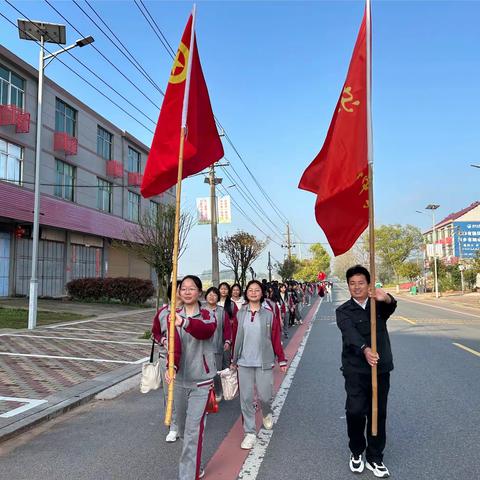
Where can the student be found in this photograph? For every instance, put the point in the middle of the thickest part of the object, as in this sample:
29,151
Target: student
284,310
353,319
160,325
222,339
195,370
257,345
230,309
237,295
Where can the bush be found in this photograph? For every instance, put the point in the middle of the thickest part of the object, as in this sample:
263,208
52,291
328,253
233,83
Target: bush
126,290
86,288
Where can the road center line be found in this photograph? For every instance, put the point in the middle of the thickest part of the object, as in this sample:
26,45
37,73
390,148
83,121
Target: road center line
405,319
255,458
470,350
441,308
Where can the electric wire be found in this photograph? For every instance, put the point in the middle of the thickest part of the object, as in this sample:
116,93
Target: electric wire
104,56
77,74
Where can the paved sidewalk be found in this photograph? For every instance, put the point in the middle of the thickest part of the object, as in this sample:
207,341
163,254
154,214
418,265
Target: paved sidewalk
53,368
468,300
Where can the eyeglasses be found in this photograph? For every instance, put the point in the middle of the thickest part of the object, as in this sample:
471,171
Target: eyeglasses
254,291
188,290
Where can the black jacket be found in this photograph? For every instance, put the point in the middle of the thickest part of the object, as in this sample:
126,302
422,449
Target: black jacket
354,322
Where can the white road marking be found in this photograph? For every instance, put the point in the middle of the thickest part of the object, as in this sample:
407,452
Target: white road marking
438,306
148,324
255,458
59,357
100,330
73,338
469,350
29,403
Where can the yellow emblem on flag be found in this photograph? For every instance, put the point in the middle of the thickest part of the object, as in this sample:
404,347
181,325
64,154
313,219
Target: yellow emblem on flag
180,75
347,98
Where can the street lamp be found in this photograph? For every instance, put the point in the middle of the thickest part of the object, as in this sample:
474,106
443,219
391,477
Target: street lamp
433,207
41,32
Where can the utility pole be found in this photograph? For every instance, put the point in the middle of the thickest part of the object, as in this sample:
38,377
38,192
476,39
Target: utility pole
433,207
213,181
289,244
269,268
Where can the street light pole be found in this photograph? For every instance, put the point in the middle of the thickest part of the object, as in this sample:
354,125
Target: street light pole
41,32
433,207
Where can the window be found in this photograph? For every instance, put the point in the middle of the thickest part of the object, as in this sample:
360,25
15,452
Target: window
134,160
65,118
64,180
12,88
153,209
104,199
11,162
104,143
133,207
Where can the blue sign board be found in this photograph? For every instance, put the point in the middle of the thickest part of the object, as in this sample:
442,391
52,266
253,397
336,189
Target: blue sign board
467,239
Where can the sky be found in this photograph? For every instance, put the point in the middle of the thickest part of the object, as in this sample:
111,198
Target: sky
274,72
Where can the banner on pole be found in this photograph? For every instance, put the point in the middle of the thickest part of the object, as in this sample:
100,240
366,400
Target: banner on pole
224,210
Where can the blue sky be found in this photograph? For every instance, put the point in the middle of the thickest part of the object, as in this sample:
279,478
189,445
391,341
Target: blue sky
274,72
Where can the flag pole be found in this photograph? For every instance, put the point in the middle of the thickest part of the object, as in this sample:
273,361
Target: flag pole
173,305
371,212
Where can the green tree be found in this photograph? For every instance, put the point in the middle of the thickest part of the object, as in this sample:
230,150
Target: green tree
410,270
394,244
288,268
320,262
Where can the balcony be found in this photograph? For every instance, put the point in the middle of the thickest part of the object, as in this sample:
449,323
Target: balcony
63,142
114,169
134,179
13,115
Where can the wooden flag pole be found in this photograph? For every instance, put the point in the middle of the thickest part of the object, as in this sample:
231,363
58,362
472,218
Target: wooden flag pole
176,242
371,223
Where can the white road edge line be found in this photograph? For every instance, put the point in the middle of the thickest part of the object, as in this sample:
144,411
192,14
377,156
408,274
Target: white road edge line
102,330
73,338
253,462
59,357
30,403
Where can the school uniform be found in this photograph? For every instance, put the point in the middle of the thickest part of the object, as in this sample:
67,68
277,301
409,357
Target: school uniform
257,345
222,336
194,358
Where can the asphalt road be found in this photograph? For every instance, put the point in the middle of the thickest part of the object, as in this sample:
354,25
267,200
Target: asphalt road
432,431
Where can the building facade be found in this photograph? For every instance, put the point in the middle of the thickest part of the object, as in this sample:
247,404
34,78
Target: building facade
90,176
457,236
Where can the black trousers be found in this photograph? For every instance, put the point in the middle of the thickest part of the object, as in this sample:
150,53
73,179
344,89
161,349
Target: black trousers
359,414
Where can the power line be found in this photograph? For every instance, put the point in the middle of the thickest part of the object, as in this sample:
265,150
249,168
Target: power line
132,60
76,73
105,58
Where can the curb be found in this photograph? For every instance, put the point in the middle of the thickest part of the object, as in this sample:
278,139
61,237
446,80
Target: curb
110,384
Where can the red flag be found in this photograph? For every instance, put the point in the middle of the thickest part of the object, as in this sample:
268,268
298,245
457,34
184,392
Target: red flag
202,143
339,173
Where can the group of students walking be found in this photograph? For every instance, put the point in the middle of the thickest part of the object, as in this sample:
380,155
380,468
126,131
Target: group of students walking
226,330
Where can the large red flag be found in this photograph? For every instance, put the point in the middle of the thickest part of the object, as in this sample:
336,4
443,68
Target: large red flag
339,173
202,143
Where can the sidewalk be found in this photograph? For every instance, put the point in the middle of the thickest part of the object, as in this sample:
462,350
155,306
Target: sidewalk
49,370
454,299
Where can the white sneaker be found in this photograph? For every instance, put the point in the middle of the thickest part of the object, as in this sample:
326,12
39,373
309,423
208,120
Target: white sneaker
356,463
268,422
248,441
172,436
201,473
218,398
378,469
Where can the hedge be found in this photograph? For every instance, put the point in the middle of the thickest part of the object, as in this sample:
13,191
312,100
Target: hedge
126,290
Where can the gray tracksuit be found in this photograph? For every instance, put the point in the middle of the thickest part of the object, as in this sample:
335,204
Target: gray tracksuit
257,344
195,366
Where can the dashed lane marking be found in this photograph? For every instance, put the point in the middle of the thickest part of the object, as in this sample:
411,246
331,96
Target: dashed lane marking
73,338
82,359
405,319
467,349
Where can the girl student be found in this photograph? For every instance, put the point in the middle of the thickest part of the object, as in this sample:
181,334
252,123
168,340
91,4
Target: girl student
230,309
195,369
284,308
222,339
237,295
257,344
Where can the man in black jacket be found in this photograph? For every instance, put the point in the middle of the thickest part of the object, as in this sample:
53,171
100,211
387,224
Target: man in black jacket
353,319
